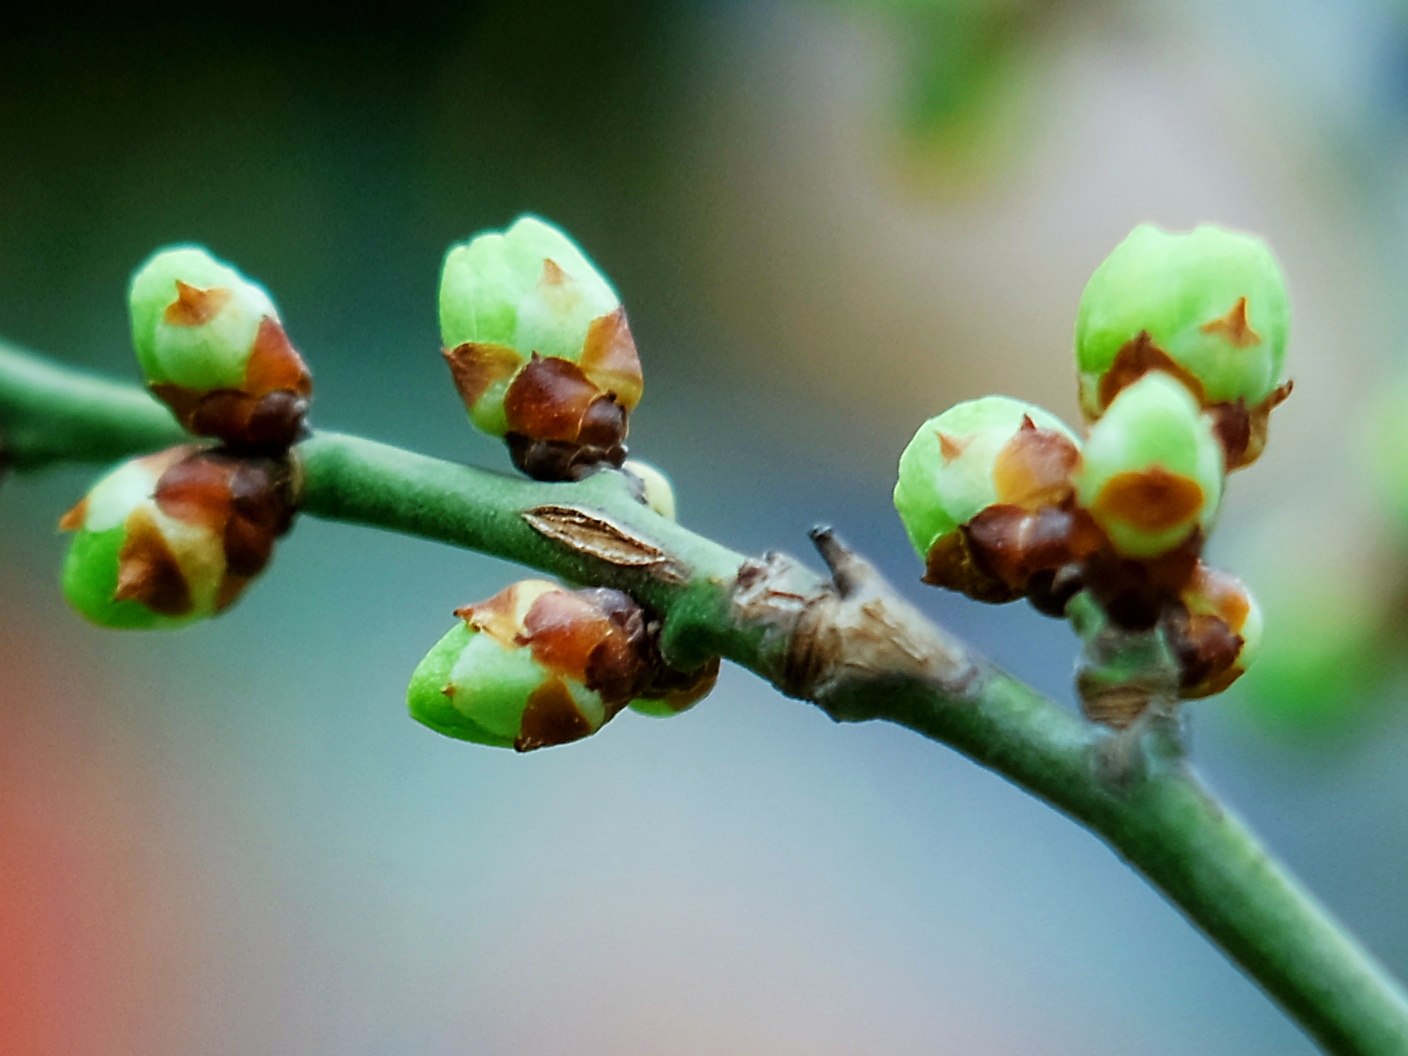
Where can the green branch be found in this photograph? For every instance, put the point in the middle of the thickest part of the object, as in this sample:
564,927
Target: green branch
846,642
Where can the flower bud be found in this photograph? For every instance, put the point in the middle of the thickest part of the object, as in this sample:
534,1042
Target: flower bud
654,487
539,348
212,348
1214,632
1153,469
538,665
1208,307
173,537
985,494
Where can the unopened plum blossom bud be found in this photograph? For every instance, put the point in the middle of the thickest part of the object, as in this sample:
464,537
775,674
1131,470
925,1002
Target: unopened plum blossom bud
539,348
985,493
174,537
655,488
1153,469
1208,307
213,349
539,665
1214,631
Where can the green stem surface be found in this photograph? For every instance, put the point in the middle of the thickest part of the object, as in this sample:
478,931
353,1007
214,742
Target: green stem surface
1133,790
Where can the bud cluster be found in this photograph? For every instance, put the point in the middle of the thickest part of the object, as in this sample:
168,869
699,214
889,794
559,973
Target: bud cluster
539,349
539,665
176,536
1179,345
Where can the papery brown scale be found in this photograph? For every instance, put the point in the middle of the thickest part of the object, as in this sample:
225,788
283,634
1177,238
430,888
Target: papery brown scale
196,491
274,364
1259,424
194,306
1232,425
551,717
548,399
247,546
1149,500
609,358
1034,468
497,616
475,366
1134,594
275,420
563,629
1137,357
1205,648
147,570
950,564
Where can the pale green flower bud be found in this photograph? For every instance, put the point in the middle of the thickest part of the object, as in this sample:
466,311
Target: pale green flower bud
539,348
656,490
1207,306
1153,468
539,665
985,493
174,537
212,347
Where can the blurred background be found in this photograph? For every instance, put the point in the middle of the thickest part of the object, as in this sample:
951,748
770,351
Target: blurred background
828,220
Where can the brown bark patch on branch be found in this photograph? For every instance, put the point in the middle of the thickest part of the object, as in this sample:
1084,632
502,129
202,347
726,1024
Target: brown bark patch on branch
824,639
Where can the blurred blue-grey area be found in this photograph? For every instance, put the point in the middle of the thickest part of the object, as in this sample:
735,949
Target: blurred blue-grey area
232,839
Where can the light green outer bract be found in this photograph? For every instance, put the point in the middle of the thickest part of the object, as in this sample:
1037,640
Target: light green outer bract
1153,422
491,682
210,356
492,291
1172,284
934,498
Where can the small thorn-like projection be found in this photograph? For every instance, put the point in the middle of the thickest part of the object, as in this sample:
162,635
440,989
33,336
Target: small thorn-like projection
1234,326
194,306
951,447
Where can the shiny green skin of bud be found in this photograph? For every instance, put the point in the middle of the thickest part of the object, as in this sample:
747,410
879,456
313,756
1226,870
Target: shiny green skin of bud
490,685
212,355
1152,423
1176,286
90,571
492,291
936,495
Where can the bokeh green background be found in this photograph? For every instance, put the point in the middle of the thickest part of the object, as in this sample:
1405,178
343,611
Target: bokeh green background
828,221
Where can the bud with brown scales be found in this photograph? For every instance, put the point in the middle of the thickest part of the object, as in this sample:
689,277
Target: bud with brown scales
175,536
266,413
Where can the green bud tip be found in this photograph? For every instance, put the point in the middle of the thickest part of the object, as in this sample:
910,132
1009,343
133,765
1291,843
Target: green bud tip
539,665
211,346
539,347
161,541
1208,307
1153,469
